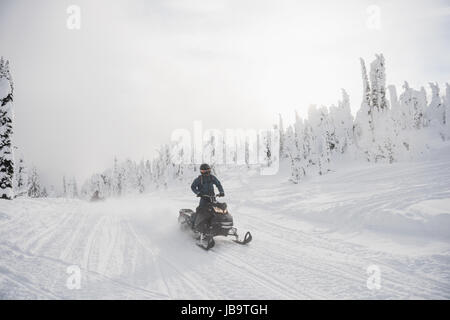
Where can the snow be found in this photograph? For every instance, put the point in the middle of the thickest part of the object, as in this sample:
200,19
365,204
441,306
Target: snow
431,207
5,87
313,240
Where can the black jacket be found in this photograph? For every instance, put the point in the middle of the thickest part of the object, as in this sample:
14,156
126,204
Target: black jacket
205,185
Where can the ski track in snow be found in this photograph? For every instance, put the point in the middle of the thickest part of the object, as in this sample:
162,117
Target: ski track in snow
314,240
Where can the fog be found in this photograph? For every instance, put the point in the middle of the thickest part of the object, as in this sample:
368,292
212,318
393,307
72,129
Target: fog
137,70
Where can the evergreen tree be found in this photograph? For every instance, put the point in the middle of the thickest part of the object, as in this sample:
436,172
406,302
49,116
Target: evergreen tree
21,178
64,185
6,132
295,149
282,136
117,179
365,115
265,149
34,184
378,83
324,138
376,126
436,109
140,176
413,104
44,193
341,125
74,188
364,126
395,110
447,110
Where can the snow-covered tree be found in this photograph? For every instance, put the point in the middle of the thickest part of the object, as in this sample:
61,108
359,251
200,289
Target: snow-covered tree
117,179
436,109
295,150
396,113
282,137
34,184
364,126
163,167
447,110
64,186
123,178
378,83
141,177
130,178
342,124
94,185
413,104
290,149
52,192
6,131
376,127
393,98
20,178
72,188
265,151
324,142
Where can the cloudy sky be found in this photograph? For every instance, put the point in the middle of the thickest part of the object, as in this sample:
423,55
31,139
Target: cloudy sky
138,69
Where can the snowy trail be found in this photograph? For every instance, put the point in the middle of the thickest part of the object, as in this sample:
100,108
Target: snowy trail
311,241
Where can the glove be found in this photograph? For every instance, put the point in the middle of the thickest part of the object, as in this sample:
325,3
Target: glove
222,194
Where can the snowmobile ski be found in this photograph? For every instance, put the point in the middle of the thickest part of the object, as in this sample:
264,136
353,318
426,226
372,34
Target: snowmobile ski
247,238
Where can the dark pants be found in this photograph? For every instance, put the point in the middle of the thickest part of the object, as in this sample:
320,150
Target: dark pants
202,216
204,202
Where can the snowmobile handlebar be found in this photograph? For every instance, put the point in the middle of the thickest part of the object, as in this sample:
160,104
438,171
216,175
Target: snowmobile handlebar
208,196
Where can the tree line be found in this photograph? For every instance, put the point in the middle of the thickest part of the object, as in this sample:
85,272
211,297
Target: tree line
387,128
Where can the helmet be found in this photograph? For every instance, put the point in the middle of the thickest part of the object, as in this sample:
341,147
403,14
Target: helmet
205,168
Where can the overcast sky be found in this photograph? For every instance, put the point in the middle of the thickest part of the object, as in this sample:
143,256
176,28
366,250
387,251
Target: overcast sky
138,69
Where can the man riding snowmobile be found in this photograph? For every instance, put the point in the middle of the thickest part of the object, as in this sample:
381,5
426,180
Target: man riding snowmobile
212,218
203,187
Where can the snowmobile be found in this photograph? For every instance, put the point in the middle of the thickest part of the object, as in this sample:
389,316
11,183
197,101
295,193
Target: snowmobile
218,222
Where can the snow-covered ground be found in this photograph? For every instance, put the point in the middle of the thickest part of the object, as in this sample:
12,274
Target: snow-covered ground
314,240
